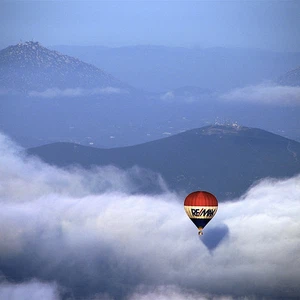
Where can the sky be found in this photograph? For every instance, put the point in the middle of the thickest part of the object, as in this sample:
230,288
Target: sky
257,24
85,234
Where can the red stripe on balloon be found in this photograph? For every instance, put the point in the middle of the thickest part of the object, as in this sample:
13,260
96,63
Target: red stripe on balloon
200,198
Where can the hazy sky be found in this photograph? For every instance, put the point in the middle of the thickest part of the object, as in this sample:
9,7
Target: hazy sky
259,24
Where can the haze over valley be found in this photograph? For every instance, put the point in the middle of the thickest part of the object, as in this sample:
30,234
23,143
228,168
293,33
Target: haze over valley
49,97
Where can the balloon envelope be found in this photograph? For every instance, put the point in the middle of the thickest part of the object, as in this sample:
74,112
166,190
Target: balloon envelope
200,207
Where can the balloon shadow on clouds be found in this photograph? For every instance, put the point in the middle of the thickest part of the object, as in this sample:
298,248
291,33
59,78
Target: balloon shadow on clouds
213,236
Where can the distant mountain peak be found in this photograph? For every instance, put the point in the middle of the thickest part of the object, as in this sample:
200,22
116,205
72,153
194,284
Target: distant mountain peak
33,54
28,66
31,44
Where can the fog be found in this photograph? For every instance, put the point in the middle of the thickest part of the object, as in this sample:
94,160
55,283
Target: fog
76,92
77,234
266,93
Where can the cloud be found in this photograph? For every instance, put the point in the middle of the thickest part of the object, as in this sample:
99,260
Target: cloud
171,292
33,290
94,237
23,179
76,92
269,93
168,96
184,96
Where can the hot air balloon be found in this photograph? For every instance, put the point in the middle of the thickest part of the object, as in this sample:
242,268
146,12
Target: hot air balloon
200,207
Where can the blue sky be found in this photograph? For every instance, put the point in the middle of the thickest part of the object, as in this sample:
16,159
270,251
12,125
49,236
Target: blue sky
257,24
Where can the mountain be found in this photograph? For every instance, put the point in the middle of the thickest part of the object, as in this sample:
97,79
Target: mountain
161,68
291,78
225,160
47,97
30,67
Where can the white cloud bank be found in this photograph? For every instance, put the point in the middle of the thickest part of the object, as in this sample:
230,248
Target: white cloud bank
96,242
168,96
76,92
266,93
33,290
172,97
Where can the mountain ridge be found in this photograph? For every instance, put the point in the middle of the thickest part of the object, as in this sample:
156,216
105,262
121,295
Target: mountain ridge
156,68
225,160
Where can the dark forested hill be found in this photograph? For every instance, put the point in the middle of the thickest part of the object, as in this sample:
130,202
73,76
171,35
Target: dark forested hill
225,160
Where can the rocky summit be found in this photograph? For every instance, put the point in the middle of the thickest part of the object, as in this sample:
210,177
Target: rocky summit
30,67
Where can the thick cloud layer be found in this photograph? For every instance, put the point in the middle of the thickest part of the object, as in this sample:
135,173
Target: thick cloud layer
267,93
87,236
